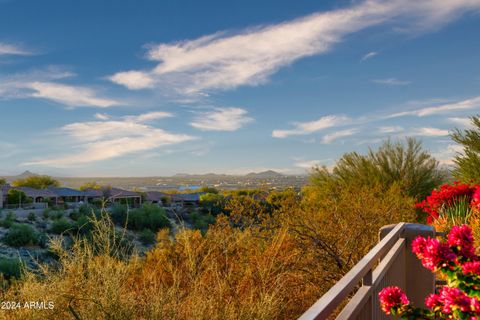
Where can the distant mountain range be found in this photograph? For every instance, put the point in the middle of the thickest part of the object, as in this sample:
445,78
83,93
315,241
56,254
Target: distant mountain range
254,175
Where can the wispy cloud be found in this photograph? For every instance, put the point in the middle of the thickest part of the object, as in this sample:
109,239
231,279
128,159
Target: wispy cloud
392,82
446,154
329,138
390,129
466,104
154,115
13,50
101,140
428,132
44,85
224,61
303,128
369,55
463,122
222,119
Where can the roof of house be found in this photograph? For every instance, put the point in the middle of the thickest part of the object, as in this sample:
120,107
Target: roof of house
155,196
120,193
93,193
110,193
67,192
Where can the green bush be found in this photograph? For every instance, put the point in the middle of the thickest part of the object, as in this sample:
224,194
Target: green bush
84,224
74,215
46,214
201,221
118,213
147,237
149,216
20,235
86,209
57,215
32,216
60,226
10,268
8,221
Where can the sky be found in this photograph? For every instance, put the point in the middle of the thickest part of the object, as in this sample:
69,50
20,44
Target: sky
144,88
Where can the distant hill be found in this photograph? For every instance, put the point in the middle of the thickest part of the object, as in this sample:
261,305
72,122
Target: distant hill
23,175
264,174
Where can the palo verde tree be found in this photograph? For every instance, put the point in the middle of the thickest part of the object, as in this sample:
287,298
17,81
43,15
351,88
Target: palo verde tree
467,163
406,164
36,182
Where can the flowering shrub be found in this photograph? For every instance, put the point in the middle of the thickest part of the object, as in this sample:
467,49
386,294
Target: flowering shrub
451,204
454,258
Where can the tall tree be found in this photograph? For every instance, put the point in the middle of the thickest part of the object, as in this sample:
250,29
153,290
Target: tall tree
36,182
467,163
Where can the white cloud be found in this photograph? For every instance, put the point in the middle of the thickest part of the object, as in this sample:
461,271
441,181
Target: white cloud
303,128
390,129
466,104
446,155
307,164
222,119
102,116
101,140
428,132
73,96
13,50
329,138
224,61
392,82
40,84
150,116
369,55
463,122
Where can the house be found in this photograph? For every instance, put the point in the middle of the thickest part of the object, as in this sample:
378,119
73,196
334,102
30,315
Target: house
114,195
155,197
38,195
68,195
187,199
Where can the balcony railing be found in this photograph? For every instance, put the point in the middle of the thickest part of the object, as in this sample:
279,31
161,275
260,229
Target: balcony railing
390,263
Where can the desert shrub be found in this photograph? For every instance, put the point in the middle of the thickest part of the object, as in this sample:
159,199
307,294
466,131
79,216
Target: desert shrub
20,235
46,214
17,196
36,182
32,216
42,240
87,209
60,226
55,215
468,162
202,221
10,268
147,237
406,165
147,217
74,214
119,213
84,225
8,221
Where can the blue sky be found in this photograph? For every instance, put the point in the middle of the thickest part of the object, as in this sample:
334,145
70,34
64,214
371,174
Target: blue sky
134,88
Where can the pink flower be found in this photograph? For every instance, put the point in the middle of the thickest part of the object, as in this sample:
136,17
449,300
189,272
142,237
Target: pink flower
433,254
456,299
433,301
461,239
471,267
391,297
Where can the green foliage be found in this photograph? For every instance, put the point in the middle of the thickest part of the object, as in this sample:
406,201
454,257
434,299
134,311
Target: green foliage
60,226
90,185
20,235
57,214
147,237
17,196
213,203
467,164
84,224
74,215
32,216
118,213
3,182
10,268
407,165
36,182
209,190
46,214
166,200
8,221
87,209
149,216
202,221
